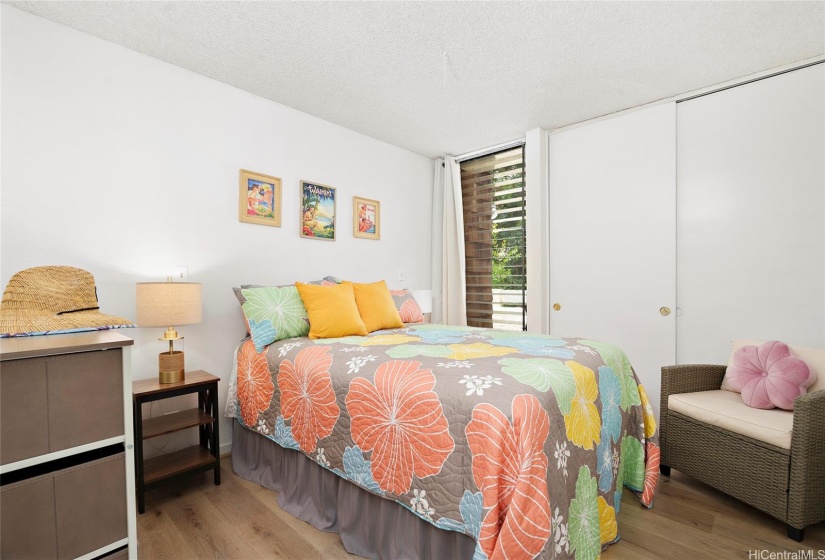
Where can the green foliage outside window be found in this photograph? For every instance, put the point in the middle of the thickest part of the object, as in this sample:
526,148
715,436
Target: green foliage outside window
508,236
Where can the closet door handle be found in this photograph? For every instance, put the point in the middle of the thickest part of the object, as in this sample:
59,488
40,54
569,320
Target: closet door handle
556,306
665,311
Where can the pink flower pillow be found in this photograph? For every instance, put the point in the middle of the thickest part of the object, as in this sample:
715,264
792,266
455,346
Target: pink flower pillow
769,376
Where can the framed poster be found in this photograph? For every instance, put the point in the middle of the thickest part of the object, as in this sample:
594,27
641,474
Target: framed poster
260,199
366,218
317,211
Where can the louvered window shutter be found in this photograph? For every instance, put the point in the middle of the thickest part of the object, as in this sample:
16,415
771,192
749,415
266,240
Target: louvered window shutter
493,194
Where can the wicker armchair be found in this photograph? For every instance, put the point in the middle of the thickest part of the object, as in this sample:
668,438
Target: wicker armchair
790,487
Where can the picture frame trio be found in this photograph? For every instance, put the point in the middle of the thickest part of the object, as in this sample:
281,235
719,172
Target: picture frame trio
260,203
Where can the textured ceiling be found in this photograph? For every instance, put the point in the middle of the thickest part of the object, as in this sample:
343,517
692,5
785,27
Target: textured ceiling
379,67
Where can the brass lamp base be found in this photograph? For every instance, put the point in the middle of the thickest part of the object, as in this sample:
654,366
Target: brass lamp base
170,367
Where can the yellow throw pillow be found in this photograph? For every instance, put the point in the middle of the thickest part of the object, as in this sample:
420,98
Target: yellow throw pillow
332,310
376,307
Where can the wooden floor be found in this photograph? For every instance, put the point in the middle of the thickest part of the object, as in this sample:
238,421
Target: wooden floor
192,518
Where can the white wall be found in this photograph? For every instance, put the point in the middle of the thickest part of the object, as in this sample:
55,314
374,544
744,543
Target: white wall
751,216
127,166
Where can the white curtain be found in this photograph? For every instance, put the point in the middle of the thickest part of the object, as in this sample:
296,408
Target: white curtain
449,283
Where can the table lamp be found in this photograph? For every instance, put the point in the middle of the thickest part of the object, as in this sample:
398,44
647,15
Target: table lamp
161,304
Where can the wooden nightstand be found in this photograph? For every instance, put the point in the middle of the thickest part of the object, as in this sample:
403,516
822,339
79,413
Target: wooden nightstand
198,458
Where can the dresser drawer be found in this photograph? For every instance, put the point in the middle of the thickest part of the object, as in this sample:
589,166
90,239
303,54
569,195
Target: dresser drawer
27,525
24,414
121,554
67,513
53,403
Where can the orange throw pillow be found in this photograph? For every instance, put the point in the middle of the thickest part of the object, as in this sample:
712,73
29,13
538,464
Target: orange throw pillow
376,307
332,311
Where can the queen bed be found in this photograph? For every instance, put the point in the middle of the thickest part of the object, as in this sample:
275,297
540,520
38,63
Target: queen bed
434,441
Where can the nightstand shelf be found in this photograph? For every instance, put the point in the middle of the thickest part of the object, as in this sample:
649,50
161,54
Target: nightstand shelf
188,459
169,423
198,458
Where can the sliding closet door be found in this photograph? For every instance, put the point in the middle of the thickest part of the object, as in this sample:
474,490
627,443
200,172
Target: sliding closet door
751,215
612,247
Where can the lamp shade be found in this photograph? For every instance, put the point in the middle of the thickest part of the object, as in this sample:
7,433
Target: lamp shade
167,304
424,299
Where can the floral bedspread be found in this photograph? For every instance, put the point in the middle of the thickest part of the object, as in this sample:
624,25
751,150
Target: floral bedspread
521,441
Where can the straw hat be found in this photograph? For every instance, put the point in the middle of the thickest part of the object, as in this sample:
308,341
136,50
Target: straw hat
53,299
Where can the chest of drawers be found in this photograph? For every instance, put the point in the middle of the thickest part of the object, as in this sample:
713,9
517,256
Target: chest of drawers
66,447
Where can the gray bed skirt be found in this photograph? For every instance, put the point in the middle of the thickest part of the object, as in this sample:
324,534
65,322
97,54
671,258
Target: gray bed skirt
369,526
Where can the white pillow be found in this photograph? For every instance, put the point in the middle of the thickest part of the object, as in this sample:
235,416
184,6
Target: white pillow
814,357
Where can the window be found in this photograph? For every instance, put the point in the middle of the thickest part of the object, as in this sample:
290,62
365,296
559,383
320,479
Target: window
493,195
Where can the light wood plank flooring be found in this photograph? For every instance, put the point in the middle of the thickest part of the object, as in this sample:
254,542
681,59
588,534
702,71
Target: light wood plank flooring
192,518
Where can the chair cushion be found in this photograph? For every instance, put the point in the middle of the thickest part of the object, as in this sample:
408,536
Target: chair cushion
769,376
726,410
814,357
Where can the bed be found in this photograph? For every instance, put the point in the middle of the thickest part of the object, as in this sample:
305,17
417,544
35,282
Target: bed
447,442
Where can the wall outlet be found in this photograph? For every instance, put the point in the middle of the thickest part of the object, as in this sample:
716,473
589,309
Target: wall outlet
180,274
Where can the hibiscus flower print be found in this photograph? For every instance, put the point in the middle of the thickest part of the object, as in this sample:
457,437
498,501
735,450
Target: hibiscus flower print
307,398
650,419
255,387
632,462
477,350
583,424
400,419
608,531
388,340
410,312
510,469
283,435
651,473
617,361
585,529
610,393
439,336
604,462
536,345
357,469
543,374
